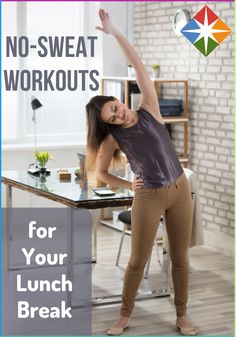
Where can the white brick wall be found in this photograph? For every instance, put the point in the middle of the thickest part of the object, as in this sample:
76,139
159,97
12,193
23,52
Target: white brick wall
210,99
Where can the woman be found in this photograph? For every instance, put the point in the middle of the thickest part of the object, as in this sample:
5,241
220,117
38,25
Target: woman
160,185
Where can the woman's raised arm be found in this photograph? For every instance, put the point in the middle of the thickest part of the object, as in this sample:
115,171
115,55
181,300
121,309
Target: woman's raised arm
149,99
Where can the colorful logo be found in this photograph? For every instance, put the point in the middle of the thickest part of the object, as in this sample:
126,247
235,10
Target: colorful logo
206,31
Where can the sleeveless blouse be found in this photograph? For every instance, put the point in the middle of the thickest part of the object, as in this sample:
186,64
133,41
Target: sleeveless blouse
148,148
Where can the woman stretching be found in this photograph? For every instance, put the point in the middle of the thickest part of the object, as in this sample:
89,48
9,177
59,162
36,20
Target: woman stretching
160,185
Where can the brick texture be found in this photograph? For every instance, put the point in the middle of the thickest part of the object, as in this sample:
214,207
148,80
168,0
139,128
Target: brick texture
211,147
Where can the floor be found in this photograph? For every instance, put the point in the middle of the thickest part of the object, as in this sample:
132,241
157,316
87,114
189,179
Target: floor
211,293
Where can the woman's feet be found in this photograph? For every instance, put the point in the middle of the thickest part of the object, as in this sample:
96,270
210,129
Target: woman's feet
119,326
185,326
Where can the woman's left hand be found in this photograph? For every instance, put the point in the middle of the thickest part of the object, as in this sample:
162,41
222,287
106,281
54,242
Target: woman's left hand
108,26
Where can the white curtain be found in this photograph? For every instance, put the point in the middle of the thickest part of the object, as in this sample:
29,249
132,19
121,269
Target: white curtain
62,117
10,99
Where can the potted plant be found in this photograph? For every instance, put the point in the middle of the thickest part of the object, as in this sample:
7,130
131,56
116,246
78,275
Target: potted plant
42,158
155,70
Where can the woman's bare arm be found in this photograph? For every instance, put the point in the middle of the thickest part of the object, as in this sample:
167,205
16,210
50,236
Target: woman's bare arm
104,157
149,100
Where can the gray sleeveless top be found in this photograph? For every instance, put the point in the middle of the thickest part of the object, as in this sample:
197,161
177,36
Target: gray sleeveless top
148,147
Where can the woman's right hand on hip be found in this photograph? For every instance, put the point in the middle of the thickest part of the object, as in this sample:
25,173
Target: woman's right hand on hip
137,183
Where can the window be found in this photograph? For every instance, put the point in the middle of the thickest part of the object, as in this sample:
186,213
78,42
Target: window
10,99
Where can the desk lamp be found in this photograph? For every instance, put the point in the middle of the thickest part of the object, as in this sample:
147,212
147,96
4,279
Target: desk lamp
35,104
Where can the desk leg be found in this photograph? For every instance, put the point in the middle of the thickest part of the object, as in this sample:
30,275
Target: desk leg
9,230
9,196
94,219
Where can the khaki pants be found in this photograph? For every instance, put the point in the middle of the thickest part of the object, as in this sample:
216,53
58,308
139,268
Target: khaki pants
149,204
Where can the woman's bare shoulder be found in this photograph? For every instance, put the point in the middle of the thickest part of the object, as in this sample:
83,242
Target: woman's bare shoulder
109,142
154,110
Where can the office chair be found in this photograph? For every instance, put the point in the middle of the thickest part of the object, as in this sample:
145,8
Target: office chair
125,218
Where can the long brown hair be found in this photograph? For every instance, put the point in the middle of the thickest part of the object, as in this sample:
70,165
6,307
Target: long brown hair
97,130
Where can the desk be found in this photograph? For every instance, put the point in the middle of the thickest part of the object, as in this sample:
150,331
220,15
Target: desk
77,194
